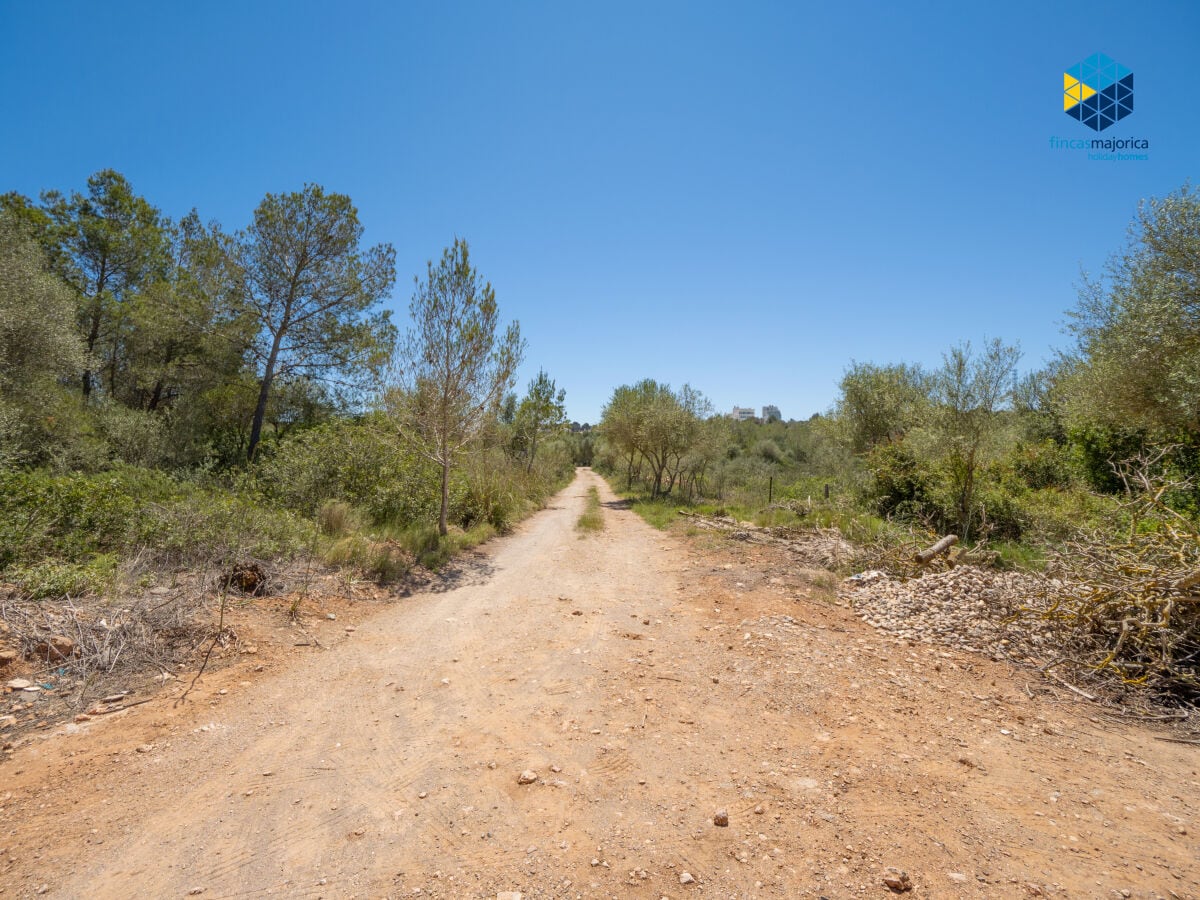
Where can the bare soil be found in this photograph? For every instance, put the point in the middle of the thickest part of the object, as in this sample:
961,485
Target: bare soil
649,681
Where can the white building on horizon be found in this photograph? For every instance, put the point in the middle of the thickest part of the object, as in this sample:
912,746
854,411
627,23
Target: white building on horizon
771,413
742,413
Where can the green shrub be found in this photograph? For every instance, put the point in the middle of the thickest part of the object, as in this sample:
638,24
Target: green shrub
52,579
72,518
69,517
360,463
899,485
1043,465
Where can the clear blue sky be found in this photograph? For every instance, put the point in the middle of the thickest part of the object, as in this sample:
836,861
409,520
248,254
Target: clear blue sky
743,196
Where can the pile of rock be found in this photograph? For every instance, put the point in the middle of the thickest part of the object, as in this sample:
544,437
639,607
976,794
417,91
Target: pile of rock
965,607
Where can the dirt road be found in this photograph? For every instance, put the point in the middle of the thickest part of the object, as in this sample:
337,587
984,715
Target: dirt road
648,681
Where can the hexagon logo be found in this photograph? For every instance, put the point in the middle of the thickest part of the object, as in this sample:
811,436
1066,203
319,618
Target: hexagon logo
1098,92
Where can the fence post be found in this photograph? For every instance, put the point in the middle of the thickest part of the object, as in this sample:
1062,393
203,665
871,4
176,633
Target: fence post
826,492
770,490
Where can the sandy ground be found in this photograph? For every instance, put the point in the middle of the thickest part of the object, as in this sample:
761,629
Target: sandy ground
649,681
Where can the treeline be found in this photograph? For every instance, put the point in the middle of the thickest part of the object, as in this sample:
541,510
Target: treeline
185,344
149,365
973,446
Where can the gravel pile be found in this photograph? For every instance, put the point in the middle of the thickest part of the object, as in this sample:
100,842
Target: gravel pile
964,607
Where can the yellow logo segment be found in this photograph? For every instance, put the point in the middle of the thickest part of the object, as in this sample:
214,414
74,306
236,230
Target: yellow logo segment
1074,91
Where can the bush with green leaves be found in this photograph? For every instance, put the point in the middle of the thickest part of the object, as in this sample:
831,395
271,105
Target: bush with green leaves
360,463
60,534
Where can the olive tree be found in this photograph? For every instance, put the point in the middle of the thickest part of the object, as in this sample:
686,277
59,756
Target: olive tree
967,395
1137,359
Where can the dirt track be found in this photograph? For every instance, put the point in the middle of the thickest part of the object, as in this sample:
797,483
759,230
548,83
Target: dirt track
649,681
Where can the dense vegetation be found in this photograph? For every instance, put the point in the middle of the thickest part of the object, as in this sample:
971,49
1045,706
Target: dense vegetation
972,446
1088,469
173,393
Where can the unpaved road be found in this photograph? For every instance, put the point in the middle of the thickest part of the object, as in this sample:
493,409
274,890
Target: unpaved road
649,680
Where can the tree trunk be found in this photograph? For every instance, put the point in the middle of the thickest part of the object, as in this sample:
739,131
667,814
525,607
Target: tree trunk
92,337
444,515
658,476
532,451
155,396
264,393
94,330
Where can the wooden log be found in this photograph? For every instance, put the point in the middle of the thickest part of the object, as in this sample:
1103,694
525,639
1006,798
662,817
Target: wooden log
937,549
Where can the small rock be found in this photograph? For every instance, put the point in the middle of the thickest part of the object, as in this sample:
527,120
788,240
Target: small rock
55,648
331,617
422,795
8,657
508,895
721,819
195,891
957,877
527,777
758,810
897,881
19,684
145,748
686,878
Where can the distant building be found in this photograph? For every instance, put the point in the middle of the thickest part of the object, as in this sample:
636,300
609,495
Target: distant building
742,414
772,414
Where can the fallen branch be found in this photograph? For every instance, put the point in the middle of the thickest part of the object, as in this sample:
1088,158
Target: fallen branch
1070,687
936,550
